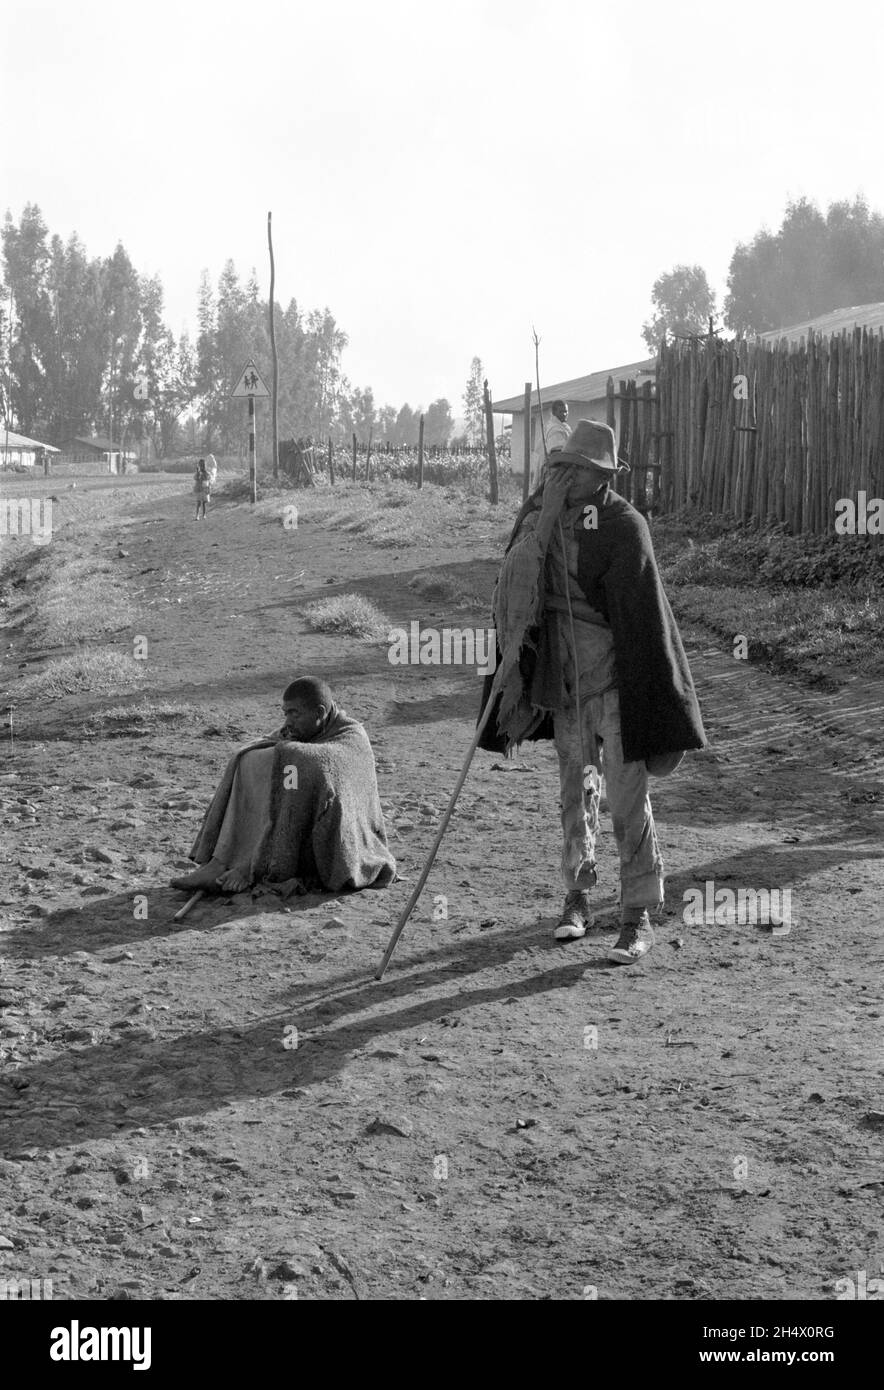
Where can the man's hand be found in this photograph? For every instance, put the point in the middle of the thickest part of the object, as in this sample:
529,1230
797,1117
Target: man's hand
555,495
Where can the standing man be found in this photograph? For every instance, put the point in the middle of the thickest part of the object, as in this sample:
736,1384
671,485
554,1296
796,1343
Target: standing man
592,657
555,431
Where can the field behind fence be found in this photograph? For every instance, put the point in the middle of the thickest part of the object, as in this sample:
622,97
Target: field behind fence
773,433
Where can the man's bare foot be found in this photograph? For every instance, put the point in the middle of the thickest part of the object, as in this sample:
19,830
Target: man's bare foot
235,881
206,876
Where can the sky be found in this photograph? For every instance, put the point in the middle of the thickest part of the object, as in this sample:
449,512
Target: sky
445,177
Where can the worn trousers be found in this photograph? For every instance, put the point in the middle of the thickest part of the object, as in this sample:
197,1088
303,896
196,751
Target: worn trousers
641,866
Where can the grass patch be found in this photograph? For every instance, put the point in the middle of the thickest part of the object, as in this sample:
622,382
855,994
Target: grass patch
239,489
65,597
445,587
434,586
143,717
401,517
78,603
348,615
20,572
87,672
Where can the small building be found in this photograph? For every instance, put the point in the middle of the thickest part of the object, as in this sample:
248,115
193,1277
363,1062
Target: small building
585,397
18,451
97,449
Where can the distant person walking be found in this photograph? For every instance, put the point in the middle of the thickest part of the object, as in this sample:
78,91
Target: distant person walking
202,487
555,432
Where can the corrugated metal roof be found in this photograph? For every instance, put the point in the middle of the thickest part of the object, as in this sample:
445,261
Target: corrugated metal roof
97,442
581,388
869,316
21,441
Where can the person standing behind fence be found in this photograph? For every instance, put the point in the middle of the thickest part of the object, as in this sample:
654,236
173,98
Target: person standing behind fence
556,432
202,487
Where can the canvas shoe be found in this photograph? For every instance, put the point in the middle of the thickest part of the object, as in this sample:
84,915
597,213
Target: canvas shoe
575,917
634,941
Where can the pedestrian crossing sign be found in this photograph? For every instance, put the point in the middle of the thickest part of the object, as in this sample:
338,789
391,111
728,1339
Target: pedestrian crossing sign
250,383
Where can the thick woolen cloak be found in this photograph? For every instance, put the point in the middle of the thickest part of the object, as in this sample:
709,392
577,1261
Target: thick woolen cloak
328,832
618,575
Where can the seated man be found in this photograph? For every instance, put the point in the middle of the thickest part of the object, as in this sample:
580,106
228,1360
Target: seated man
301,805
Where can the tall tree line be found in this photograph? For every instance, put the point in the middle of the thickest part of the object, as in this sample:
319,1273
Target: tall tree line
815,262
91,352
86,341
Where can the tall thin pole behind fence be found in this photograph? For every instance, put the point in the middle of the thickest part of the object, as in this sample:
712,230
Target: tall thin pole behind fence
526,444
492,452
275,402
420,453
8,410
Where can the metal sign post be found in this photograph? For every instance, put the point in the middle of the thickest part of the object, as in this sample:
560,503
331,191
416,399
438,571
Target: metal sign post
250,385
253,462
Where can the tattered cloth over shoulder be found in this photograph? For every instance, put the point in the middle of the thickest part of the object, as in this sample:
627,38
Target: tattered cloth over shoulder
618,575
329,832
517,610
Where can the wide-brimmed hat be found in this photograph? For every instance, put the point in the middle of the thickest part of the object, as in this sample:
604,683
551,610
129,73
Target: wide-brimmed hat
590,442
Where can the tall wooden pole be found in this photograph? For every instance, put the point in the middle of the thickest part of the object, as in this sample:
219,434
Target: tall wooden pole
331,463
541,425
420,454
274,407
489,439
368,457
110,412
526,445
8,411
354,456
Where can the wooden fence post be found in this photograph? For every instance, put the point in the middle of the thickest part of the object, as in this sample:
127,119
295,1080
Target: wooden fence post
420,454
526,444
354,456
489,437
646,431
624,480
368,459
331,463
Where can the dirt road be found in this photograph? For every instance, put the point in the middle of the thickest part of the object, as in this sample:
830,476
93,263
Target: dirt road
232,1107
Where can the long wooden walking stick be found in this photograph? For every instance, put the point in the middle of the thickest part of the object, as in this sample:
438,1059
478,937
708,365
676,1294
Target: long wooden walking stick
443,826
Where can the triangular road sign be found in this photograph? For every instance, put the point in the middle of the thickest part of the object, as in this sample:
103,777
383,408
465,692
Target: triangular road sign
250,383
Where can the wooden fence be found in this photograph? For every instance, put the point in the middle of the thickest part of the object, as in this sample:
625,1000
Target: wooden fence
637,443
771,432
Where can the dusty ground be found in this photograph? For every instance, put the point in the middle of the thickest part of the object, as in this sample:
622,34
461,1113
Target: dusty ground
715,1137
